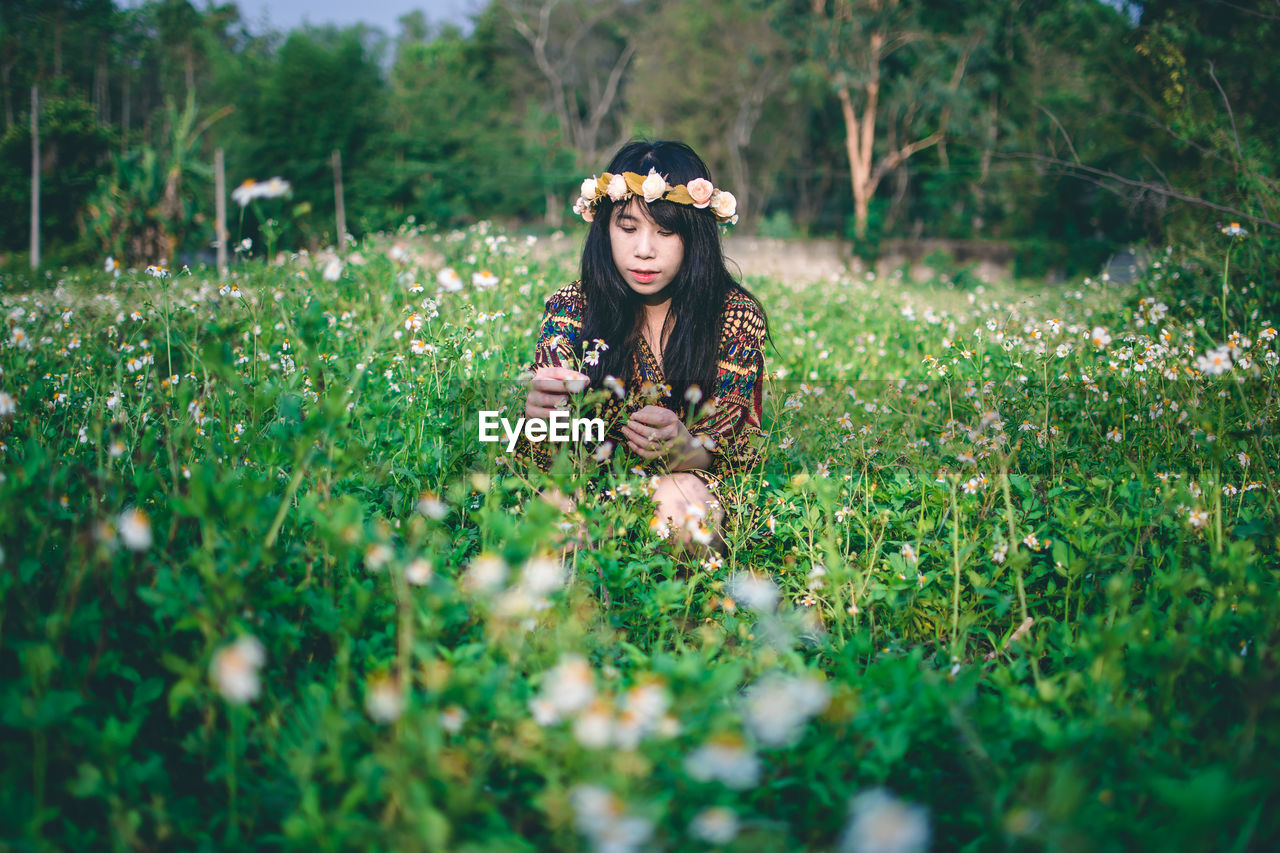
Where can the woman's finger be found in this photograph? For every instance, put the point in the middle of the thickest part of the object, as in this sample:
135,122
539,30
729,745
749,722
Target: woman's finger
549,401
549,386
654,416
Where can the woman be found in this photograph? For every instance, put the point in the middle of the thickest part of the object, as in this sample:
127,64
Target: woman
657,318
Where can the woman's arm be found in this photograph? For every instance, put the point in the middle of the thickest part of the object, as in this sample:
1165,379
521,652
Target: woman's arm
560,329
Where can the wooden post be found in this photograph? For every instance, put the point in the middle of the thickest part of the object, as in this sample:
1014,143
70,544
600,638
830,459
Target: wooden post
341,242
35,177
220,211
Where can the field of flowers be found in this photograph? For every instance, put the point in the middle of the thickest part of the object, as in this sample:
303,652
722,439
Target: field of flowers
1008,578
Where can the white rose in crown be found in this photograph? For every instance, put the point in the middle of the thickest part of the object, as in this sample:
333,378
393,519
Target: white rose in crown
618,188
724,205
654,186
582,207
589,188
700,189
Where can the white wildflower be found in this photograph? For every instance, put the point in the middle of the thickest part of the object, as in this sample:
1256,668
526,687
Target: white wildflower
879,822
135,529
234,669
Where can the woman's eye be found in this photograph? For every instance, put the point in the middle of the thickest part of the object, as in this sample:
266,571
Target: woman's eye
666,233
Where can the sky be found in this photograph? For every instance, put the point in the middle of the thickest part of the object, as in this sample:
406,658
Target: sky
287,14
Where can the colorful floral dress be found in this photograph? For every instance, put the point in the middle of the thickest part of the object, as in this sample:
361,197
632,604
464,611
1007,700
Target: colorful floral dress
727,426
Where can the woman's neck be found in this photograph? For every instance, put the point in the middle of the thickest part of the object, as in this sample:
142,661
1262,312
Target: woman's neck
653,324
655,315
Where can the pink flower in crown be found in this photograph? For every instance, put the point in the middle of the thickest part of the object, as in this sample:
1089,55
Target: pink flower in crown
654,186
700,189
618,188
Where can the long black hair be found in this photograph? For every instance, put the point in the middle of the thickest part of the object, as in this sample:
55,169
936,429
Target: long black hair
614,312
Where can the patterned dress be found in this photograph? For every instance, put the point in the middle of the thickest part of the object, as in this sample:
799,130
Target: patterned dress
726,427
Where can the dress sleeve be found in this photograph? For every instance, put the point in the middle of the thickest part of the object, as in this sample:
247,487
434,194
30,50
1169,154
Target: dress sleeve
561,328
738,402
556,347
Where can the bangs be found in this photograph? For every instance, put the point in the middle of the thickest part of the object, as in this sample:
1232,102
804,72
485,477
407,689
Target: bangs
668,215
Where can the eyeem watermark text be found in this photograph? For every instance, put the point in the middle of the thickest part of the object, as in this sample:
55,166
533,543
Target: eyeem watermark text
559,427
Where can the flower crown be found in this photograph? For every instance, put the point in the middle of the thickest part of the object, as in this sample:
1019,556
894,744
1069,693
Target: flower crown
699,192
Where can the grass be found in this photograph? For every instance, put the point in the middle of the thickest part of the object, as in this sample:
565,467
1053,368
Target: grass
1002,580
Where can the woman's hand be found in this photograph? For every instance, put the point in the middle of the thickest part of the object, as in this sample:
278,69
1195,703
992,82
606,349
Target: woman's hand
657,433
550,391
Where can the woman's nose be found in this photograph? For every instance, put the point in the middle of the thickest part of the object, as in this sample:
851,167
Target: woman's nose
644,245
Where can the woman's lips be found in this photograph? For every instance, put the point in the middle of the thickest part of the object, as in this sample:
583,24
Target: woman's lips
644,276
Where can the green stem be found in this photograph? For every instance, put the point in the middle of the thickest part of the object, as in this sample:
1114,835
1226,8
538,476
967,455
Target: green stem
285,501
955,571
1226,274
168,347
233,828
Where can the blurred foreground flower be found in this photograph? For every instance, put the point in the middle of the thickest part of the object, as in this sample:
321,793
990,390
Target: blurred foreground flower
383,699
602,818
135,529
716,825
452,719
234,670
449,280
777,707
879,822
566,689
486,573
755,591
1215,362
419,572
430,505
724,759
1234,230
251,189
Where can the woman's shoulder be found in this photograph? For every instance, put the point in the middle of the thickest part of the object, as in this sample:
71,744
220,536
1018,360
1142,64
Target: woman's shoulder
570,296
743,315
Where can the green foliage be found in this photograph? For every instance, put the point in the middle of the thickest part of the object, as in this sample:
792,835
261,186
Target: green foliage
73,154
143,210
456,146
322,93
939,471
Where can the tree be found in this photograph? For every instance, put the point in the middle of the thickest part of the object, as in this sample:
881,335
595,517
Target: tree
322,91
144,210
73,149
582,49
884,99
472,165
708,78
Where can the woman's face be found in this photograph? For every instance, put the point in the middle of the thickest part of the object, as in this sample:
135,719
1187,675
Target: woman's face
646,255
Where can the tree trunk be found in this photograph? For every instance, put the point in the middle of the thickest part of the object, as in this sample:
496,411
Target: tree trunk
220,210
8,97
57,46
124,114
555,209
339,205
858,140
35,178
101,98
